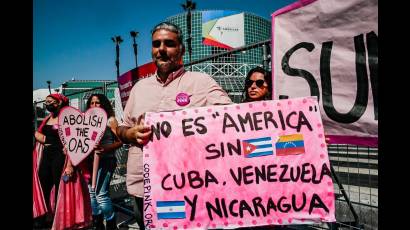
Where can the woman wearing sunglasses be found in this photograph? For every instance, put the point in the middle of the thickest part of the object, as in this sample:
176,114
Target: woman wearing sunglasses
258,85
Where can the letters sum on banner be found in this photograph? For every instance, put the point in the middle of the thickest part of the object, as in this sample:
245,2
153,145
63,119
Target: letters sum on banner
362,91
335,60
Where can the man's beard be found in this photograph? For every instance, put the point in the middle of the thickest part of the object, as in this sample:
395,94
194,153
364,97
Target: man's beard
166,67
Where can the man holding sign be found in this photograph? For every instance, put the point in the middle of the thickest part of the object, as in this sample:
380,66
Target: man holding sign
171,88
253,164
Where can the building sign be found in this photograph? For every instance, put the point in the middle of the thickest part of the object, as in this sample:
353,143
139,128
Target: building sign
224,29
329,49
250,164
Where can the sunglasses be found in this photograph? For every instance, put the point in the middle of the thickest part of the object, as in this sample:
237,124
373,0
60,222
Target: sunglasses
167,43
259,83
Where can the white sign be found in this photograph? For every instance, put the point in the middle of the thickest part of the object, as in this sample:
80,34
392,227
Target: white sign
329,49
222,29
74,103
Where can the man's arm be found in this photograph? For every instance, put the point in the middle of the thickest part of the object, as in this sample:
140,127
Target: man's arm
215,95
121,132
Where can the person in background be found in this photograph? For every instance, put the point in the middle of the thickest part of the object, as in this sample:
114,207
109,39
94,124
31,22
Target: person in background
52,159
171,88
104,160
258,85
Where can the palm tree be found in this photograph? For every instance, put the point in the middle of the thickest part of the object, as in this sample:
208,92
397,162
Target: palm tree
188,6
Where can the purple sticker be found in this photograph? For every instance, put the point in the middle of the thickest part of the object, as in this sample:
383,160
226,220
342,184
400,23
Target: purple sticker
182,99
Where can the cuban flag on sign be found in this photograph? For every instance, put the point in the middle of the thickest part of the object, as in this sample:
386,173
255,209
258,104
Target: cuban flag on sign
171,209
257,147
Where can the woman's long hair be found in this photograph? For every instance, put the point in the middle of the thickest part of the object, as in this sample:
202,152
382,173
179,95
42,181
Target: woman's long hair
104,102
266,76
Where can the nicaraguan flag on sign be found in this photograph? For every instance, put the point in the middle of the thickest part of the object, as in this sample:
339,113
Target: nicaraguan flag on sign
171,209
257,147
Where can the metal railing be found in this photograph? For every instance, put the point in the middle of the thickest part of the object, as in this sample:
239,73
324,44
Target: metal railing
355,168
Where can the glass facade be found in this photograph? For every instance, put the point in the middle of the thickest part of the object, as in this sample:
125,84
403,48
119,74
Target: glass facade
228,71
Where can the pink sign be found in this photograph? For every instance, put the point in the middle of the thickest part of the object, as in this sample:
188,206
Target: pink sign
250,164
80,132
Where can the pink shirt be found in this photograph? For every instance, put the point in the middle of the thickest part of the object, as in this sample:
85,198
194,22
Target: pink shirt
151,95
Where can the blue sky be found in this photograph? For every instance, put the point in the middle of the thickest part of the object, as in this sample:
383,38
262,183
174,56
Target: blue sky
72,39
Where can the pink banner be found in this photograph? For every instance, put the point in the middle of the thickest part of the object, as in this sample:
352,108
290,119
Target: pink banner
329,49
128,79
250,164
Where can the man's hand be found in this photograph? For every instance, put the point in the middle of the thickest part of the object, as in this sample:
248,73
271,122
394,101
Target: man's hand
139,133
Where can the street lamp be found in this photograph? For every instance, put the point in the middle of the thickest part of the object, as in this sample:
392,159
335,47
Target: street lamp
63,86
49,87
134,34
188,6
117,40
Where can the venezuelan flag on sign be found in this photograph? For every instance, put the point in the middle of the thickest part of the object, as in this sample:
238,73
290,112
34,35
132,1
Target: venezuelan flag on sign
290,145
